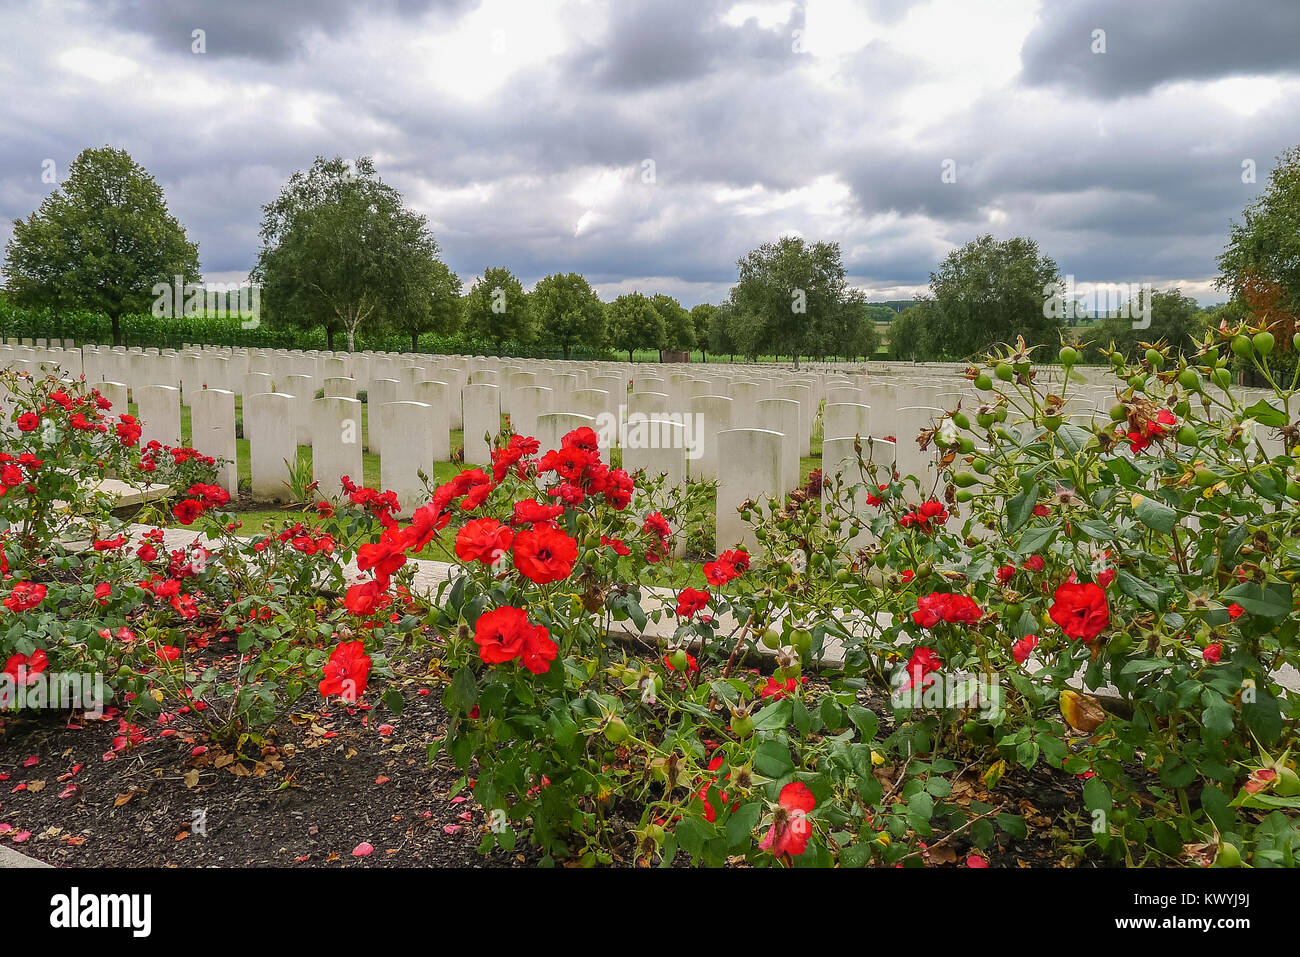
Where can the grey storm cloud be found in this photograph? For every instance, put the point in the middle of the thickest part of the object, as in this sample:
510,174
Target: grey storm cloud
675,41
1119,178
268,30
1147,44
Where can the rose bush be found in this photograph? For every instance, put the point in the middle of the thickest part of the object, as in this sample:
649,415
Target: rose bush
88,591
1106,600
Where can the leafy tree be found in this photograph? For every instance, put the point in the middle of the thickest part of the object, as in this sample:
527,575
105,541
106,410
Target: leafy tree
1176,320
863,339
1261,263
720,338
702,318
907,334
1266,244
440,314
991,291
634,323
340,248
793,291
497,309
679,328
568,312
101,241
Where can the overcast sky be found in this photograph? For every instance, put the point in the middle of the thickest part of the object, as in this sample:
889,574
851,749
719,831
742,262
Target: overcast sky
648,144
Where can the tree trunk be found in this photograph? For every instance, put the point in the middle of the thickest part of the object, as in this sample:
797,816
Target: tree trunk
566,351
415,341
352,340
329,338
629,355
117,329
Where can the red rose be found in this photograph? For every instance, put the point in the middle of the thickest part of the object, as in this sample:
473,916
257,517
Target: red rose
620,548
1022,648
530,512
385,556
1212,653
1081,610
187,510
505,633
581,438
1034,563
941,606
365,599
544,554
346,672
25,596
923,662
24,670
729,565
776,690
1235,611
484,539
691,600
790,829
28,422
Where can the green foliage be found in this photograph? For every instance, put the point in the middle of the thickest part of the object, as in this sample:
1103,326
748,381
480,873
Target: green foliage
497,310
703,317
790,298
1266,244
1176,320
987,292
340,249
679,327
567,312
634,323
99,242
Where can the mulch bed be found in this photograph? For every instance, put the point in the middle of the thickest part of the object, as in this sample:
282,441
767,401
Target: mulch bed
327,785
322,785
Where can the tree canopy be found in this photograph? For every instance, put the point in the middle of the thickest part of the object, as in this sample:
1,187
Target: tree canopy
497,309
100,241
339,248
990,291
791,295
568,313
634,323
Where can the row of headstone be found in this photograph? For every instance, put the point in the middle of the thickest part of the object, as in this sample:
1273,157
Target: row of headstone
745,426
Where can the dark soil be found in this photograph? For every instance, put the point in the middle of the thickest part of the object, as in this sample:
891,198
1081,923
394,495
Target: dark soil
323,784
329,783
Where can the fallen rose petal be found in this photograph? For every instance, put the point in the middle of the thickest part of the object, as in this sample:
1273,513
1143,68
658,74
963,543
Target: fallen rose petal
364,849
31,761
451,829
22,836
